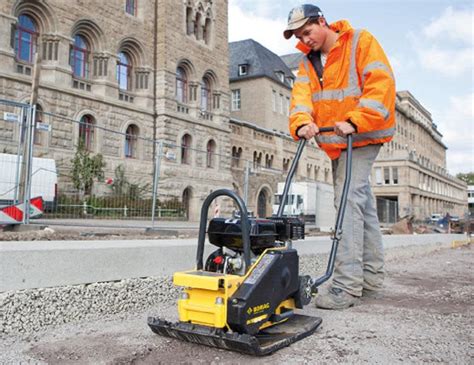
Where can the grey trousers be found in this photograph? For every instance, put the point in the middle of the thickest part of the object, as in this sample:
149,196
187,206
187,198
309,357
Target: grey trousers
359,259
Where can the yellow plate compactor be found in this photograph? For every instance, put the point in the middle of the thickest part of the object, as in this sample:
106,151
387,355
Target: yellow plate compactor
245,296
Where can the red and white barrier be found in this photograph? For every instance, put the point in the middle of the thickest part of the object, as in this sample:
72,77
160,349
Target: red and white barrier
13,214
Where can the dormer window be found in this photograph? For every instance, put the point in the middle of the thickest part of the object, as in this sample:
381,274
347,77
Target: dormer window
281,76
243,69
290,81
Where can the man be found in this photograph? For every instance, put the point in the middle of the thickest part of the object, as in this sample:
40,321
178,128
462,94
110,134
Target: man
345,81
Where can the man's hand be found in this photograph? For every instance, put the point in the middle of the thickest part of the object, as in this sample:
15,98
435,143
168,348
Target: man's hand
308,131
342,129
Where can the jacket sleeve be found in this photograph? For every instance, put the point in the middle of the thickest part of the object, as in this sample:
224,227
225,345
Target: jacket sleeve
301,107
377,101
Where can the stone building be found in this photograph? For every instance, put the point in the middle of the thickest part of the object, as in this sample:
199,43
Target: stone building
409,176
152,70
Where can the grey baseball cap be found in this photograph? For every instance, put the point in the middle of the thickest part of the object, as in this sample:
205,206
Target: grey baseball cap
299,16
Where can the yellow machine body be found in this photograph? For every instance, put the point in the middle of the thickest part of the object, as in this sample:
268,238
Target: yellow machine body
205,297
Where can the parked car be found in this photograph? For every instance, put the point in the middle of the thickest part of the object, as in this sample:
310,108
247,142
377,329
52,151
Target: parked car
435,218
454,218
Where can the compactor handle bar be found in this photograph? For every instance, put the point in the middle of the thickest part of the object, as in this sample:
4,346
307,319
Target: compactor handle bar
291,173
342,205
339,219
244,223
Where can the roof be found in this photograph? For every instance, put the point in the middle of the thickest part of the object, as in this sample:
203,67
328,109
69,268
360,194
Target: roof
292,60
261,62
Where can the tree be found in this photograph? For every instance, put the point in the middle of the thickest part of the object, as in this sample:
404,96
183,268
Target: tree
121,186
467,177
86,169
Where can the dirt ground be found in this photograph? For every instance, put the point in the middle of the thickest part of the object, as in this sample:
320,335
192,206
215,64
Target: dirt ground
424,317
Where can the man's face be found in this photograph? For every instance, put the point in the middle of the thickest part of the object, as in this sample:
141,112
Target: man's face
312,35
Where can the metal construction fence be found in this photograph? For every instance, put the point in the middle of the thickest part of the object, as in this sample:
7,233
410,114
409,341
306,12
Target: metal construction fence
87,173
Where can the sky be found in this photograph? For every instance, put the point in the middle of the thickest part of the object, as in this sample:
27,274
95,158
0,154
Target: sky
430,44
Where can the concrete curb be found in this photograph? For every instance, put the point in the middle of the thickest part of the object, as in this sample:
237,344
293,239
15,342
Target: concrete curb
33,264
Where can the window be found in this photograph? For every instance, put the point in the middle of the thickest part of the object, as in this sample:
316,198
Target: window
25,39
124,72
211,151
86,132
281,76
281,104
386,175
243,69
257,159
189,21
185,146
207,31
395,175
131,136
236,154
269,161
287,106
197,26
274,101
131,7
378,176
80,57
205,95
181,85
235,99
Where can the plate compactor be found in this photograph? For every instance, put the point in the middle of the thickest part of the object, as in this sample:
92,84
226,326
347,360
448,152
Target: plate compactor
245,295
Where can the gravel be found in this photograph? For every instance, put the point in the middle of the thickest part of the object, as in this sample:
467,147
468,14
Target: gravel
425,316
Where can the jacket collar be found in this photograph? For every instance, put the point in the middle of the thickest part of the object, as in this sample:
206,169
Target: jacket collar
341,27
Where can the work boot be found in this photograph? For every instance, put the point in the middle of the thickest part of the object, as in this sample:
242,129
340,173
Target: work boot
372,294
335,298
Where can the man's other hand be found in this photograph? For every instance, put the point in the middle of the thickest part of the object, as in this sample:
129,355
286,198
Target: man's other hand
308,131
342,129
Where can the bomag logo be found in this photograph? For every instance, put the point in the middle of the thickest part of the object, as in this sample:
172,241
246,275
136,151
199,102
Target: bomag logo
258,308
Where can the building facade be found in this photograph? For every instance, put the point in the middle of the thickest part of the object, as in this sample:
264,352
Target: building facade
152,70
409,177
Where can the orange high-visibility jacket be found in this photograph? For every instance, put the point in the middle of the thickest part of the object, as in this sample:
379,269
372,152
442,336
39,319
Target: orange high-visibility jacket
358,85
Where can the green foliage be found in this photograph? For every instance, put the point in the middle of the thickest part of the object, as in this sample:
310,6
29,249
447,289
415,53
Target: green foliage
121,187
467,177
86,169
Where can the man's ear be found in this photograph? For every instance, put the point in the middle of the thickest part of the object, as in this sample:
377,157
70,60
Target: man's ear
322,22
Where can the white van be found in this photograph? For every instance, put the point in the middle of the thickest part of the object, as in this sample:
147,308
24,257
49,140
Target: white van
44,180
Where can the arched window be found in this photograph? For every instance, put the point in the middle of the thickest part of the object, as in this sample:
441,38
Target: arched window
197,26
181,85
189,21
185,149
124,71
86,132
131,138
25,38
211,151
80,57
205,95
207,31
236,154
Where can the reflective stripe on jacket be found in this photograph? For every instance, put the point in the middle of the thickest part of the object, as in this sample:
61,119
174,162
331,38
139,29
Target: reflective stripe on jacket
358,85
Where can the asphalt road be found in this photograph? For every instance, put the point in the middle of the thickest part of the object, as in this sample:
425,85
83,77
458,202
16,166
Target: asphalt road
424,317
